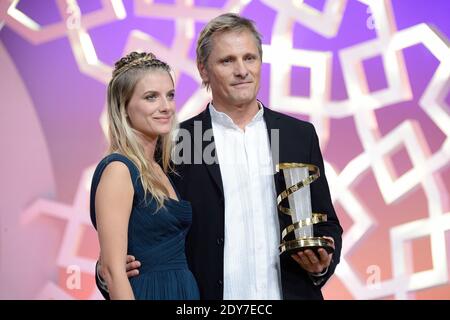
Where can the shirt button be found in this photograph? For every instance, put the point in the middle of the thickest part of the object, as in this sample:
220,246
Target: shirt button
219,241
219,283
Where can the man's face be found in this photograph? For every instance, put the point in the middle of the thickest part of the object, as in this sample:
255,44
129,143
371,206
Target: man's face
233,69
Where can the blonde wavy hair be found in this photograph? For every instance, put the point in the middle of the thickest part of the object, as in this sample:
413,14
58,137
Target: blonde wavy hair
122,137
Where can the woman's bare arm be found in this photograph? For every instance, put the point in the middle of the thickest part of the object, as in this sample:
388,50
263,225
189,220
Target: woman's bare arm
113,204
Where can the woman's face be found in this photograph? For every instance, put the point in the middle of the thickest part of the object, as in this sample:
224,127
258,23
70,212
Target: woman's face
151,108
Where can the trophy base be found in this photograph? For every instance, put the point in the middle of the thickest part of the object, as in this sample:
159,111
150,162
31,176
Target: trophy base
302,244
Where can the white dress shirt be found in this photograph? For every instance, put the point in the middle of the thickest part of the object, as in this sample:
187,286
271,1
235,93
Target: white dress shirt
251,261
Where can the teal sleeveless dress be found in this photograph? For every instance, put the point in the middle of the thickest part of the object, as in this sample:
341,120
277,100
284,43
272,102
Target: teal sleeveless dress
156,239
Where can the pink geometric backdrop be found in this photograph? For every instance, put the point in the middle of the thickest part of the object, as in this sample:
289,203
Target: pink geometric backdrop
372,75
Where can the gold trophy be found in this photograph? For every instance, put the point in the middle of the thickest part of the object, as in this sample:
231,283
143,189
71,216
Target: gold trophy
298,177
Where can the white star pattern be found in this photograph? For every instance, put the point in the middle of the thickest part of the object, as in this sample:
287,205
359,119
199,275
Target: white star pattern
77,218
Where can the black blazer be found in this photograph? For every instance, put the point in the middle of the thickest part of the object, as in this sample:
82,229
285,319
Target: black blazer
201,184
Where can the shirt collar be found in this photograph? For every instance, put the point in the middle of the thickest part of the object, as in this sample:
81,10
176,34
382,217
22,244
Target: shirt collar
223,119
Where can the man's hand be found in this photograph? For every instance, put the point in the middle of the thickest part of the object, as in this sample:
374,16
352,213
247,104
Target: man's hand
310,262
131,267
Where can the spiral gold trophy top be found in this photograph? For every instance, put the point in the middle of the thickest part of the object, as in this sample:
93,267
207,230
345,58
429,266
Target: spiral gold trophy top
299,176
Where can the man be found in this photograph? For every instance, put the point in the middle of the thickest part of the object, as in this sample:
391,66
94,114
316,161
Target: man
232,246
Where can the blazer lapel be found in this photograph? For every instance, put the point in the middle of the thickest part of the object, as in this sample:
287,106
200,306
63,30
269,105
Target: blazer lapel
273,130
277,143
214,168
271,119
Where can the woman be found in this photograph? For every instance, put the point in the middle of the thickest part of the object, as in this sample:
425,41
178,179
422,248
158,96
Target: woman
134,205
